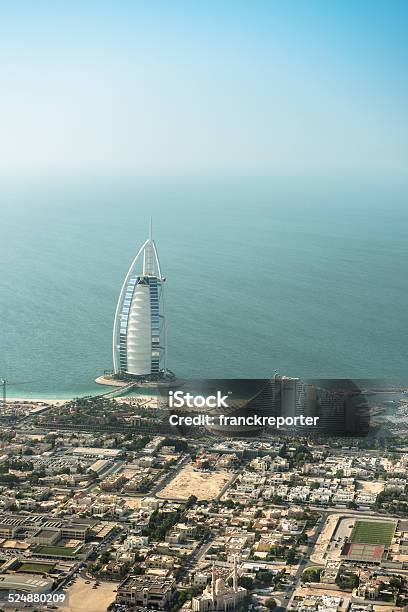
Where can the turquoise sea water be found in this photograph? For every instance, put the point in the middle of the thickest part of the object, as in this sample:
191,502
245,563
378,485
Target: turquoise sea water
310,280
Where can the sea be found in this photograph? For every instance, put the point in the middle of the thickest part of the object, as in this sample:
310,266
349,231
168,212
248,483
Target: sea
308,278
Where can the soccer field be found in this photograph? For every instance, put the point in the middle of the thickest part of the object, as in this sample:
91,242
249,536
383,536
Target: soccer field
373,532
36,568
56,551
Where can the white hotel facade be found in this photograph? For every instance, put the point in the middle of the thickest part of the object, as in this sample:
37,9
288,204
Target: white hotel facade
140,326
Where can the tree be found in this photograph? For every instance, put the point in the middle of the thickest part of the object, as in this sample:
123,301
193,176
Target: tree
229,504
104,558
347,582
10,480
270,603
190,502
246,582
265,577
179,445
291,557
201,531
395,582
279,578
311,574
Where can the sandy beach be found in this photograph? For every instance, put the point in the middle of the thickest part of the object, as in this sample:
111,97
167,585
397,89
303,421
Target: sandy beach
37,400
151,400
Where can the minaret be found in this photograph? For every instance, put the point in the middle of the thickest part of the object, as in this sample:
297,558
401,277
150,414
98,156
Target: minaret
235,576
213,582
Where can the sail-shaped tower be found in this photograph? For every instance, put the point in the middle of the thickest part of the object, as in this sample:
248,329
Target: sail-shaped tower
139,330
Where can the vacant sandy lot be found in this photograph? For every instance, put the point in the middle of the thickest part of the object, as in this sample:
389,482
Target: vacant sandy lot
374,486
133,503
307,591
386,608
204,485
83,598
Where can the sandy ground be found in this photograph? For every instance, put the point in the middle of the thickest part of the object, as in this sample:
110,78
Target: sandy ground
386,608
110,382
150,401
83,598
324,539
204,485
133,503
306,591
147,401
344,524
130,472
370,486
345,527
329,545
37,400
343,531
345,596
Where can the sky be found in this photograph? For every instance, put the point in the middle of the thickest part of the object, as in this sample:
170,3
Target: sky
296,88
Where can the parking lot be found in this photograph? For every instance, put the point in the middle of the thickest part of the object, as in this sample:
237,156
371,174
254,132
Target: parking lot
82,597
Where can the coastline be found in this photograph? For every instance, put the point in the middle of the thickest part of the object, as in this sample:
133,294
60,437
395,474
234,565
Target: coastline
145,399
37,400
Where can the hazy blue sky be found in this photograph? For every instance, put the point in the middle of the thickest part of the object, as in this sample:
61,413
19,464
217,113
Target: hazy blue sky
295,87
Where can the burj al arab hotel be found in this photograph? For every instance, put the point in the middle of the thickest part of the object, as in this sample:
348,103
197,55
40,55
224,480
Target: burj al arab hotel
140,326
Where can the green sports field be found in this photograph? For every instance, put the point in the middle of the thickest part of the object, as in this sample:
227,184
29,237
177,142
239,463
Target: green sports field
36,568
373,532
57,551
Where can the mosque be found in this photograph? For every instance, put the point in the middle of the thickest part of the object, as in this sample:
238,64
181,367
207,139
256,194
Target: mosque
219,596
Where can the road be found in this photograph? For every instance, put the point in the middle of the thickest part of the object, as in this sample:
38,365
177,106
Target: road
305,558
228,485
201,551
169,476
